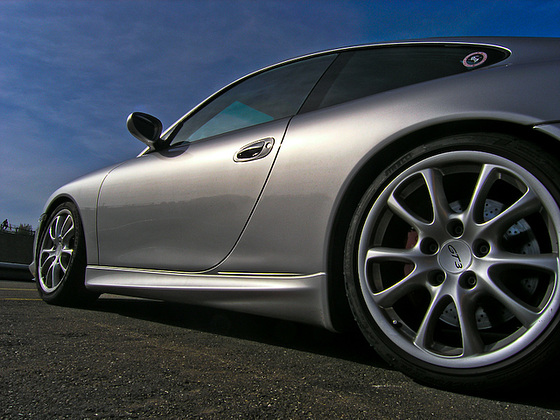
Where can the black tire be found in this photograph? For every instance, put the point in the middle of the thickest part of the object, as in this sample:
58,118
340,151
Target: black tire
451,263
61,259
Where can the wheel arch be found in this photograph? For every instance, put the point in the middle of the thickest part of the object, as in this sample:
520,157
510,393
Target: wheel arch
53,204
339,309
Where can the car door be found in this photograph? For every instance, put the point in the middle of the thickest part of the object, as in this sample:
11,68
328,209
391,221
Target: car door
184,208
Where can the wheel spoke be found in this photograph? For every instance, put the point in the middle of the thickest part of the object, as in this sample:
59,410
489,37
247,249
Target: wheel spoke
537,262
438,199
67,251
470,336
48,262
486,178
57,273
50,253
57,226
424,335
415,279
52,231
67,229
433,180
64,265
388,297
402,212
528,204
51,273
394,254
520,310
472,342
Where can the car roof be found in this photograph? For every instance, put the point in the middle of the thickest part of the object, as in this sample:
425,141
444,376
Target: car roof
528,47
520,49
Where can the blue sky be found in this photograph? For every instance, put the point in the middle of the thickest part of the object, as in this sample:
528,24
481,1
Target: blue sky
72,71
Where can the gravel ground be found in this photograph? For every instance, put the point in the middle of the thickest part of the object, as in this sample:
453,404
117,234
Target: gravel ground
131,358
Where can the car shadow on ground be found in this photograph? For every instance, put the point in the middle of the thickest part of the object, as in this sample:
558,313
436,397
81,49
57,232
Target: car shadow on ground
350,345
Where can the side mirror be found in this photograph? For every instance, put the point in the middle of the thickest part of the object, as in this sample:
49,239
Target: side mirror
145,128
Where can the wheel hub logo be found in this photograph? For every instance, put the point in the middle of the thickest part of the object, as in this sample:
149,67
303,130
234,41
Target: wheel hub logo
455,257
455,254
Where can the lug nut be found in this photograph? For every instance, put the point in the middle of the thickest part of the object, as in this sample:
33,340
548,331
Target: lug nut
482,248
429,246
455,228
436,278
468,280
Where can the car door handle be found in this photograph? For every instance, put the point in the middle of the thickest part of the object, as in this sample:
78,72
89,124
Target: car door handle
255,150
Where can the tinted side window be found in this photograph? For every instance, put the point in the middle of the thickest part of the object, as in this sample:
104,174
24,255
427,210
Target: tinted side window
267,96
361,73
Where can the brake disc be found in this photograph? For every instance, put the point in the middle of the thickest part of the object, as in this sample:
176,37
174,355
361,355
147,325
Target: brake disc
529,245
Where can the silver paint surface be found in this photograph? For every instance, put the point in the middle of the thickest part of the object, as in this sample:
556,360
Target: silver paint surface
182,208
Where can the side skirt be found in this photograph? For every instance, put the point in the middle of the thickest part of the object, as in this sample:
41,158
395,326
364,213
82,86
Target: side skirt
283,296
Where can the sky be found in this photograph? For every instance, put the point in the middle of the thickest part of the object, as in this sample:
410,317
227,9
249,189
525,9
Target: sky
72,71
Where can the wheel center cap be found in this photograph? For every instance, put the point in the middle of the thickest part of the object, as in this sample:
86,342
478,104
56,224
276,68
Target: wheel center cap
455,256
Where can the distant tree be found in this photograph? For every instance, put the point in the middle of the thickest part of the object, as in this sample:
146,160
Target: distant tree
25,229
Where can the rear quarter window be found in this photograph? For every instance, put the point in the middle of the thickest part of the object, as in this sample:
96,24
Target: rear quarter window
359,73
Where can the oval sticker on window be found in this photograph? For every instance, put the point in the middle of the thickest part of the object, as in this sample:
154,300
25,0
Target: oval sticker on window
475,59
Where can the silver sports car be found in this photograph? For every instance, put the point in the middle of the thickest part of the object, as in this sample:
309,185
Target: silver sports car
409,187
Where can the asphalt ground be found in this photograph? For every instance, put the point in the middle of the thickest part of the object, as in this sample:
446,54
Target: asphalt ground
131,358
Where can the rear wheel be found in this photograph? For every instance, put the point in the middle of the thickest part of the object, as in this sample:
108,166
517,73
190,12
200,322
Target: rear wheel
451,262
61,259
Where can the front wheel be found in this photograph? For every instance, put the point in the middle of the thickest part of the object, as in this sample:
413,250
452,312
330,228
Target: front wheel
61,259
451,262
